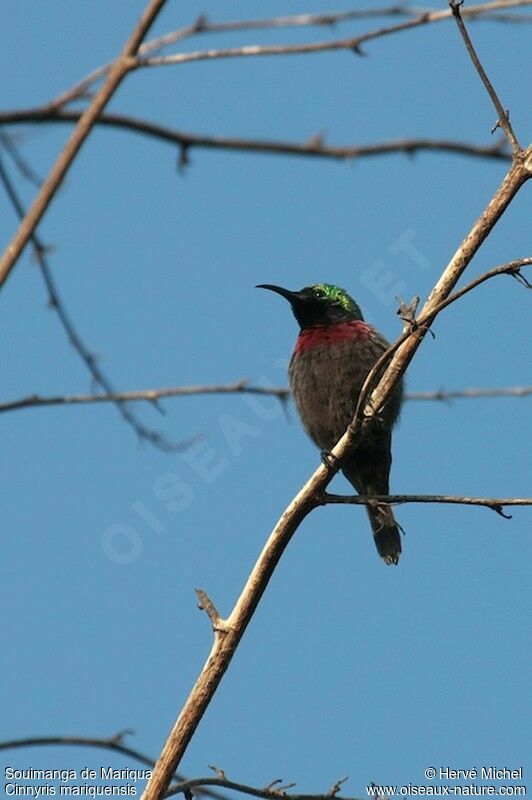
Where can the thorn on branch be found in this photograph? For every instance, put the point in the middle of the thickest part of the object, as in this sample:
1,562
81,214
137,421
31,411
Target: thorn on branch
205,604
156,403
317,141
201,23
184,159
500,510
357,50
217,771
280,790
270,786
118,738
516,273
333,791
407,312
501,123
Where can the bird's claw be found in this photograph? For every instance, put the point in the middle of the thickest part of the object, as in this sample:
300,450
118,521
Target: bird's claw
329,460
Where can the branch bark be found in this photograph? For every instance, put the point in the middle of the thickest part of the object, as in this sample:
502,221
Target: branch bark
238,387
353,43
271,792
229,633
228,636
124,63
315,147
496,504
202,26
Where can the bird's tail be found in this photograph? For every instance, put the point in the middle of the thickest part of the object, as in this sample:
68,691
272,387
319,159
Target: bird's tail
385,532
368,473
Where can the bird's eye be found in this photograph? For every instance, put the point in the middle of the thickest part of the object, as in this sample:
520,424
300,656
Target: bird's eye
319,293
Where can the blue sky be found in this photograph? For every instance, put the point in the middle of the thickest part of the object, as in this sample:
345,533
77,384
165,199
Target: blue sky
349,667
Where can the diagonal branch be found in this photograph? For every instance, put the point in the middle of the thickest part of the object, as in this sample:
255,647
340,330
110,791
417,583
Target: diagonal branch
123,64
503,115
226,640
242,386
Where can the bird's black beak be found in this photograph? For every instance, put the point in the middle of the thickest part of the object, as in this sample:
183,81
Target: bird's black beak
292,297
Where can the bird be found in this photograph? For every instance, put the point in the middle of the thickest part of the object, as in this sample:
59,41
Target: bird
334,352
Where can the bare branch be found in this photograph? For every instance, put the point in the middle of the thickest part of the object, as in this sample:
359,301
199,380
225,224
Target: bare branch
446,396
202,25
238,387
205,604
314,147
353,44
123,64
494,503
268,793
335,788
147,395
242,386
422,324
503,115
89,359
308,497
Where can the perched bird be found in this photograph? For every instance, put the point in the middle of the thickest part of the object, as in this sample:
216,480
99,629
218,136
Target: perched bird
334,353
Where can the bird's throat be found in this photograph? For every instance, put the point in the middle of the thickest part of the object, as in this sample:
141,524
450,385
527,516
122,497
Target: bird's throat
331,334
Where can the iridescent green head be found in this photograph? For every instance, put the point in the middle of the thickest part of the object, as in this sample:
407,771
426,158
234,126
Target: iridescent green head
319,304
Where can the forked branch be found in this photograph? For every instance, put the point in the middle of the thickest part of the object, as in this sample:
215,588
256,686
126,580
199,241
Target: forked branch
374,399
308,497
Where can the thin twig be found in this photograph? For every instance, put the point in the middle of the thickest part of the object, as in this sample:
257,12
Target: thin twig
242,386
314,147
493,503
21,164
422,324
203,26
306,499
123,64
147,395
205,604
56,303
503,115
267,793
446,396
353,43
238,387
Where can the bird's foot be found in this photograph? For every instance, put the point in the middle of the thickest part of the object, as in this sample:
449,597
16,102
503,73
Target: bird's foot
330,461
